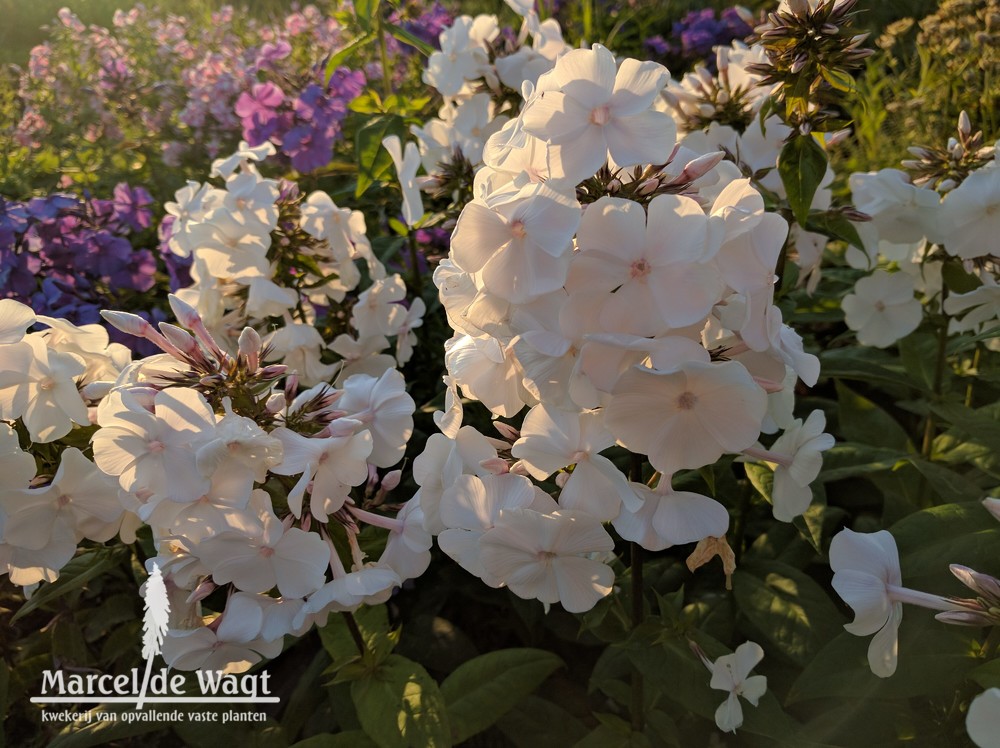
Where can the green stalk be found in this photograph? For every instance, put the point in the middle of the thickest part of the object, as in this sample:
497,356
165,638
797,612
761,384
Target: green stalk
636,585
352,626
383,53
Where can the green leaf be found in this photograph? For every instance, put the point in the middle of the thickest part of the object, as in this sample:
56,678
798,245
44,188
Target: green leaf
762,478
861,420
96,731
839,79
399,704
485,688
802,166
849,460
373,622
947,484
75,574
538,722
366,13
787,607
342,54
349,739
374,161
835,225
407,38
933,659
613,732
919,352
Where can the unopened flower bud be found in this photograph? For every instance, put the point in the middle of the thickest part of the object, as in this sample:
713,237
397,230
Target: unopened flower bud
798,7
186,314
249,344
130,324
507,431
184,341
273,371
649,186
202,591
519,468
964,124
275,403
562,479
700,166
798,64
291,386
992,506
614,186
495,465
391,480
306,523
947,185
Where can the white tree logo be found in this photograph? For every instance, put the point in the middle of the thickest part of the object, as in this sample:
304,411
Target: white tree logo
155,619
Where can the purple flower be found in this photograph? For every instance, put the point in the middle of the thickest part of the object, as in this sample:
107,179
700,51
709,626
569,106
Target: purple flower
657,45
259,112
131,207
308,147
271,53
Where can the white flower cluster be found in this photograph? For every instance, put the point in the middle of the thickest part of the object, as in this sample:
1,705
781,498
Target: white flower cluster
257,490
646,322
241,278
471,74
910,222
722,112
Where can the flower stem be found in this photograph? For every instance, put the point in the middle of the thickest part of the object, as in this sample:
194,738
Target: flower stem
635,578
383,53
352,626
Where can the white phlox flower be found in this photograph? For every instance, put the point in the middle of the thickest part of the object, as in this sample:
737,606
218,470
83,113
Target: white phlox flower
797,459
383,407
667,518
264,554
463,54
520,241
867,577
689,417
329,466
544,557
598,109
553,439
155,452
231,644
732,673
39,386
971,216
983,720
882,308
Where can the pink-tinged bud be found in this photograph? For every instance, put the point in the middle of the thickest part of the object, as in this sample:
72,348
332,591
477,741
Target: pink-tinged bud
391,480
909,163
213,380
722,97
306,523
249,346
275,403
964,124
947,185
495,465
798,64
182,339
273,371
978,582
700,166
649,186
288,521
202,591
130,324
519,468
614,186
291,386
186,314
768,385
372,477
966,618
507,431
562,479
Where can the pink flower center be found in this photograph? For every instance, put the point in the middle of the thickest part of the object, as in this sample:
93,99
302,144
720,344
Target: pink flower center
63,500
517,229
600,115
640,268
545,555
156,446
47,384
879,306
266,552
687,401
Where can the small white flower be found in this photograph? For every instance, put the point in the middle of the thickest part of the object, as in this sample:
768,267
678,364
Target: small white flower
732,673
882,308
